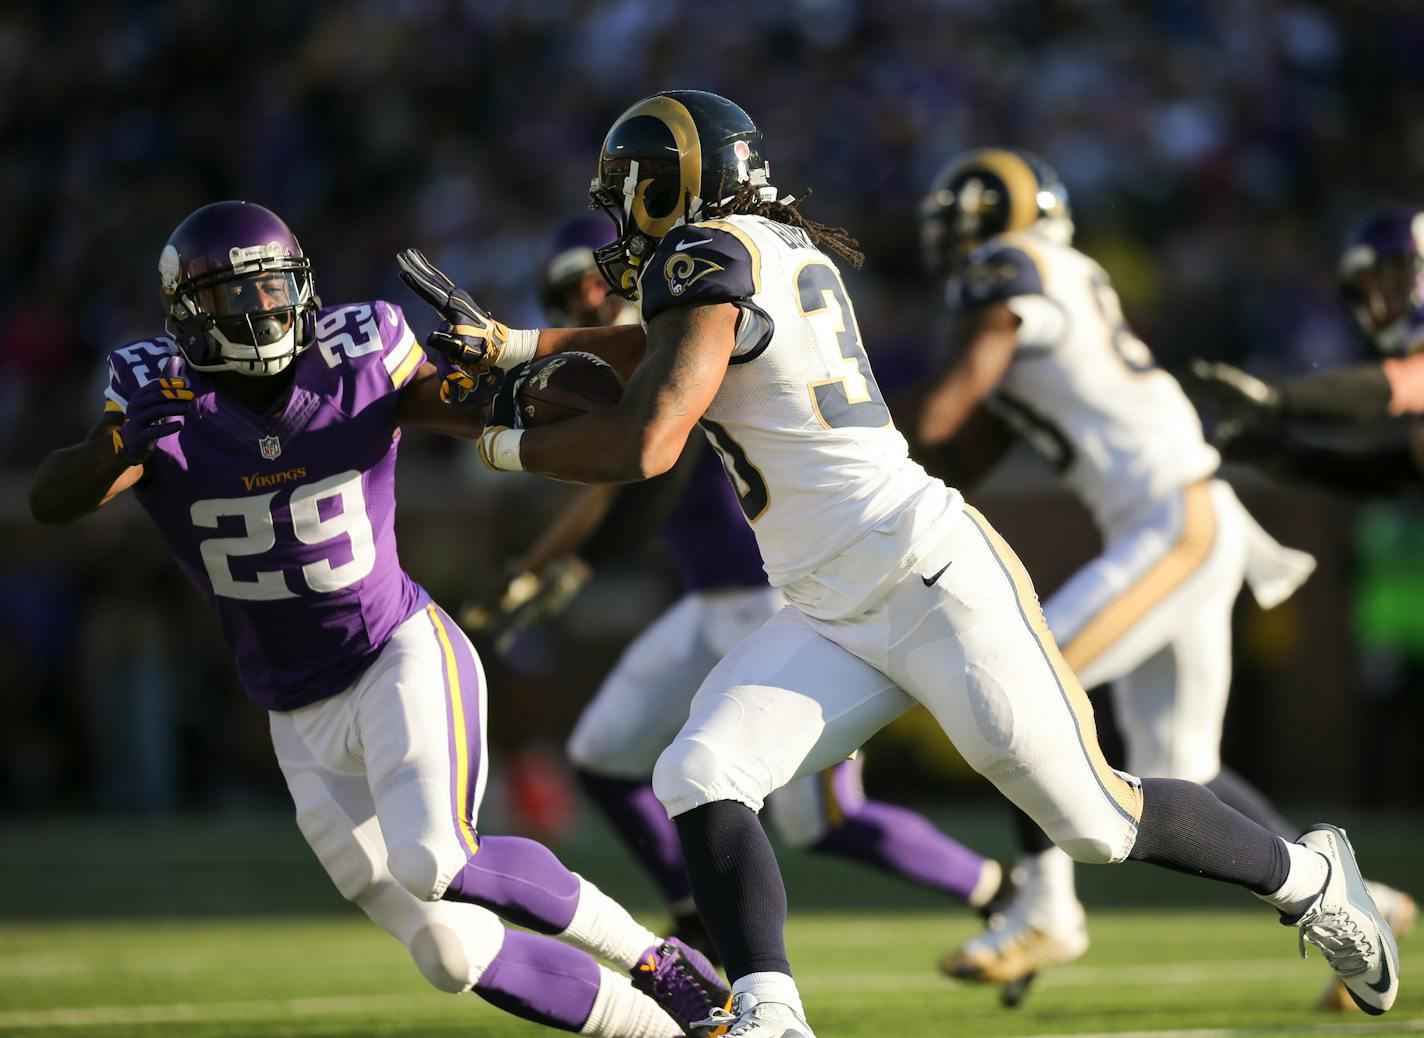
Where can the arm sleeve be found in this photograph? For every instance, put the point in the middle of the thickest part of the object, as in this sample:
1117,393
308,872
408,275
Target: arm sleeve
698,264
638,511
1354,395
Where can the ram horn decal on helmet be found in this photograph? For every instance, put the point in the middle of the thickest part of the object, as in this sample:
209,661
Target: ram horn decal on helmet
985,192
669,160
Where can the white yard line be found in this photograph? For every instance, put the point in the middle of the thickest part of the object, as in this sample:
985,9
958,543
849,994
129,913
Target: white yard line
179,1012
1181,973
1387,1025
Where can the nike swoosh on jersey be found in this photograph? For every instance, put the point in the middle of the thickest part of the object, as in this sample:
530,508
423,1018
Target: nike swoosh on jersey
689,244
931,581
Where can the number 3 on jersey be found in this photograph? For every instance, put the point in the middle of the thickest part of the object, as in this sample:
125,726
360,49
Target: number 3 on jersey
849,398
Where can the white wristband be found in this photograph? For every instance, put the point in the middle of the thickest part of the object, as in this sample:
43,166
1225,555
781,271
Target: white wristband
502,450
519,347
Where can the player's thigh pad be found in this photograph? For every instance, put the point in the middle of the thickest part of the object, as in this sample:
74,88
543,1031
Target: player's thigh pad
784,702
974,649
806,809
644,700
421,716
451,943
1180,555
334,813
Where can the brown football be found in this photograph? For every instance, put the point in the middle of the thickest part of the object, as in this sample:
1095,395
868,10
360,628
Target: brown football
564,385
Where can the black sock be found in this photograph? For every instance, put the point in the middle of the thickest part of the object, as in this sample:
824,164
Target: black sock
1234,791
737,886
1185,828
1033,841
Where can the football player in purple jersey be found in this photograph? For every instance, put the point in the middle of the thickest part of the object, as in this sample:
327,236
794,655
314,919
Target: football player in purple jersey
260,434
643,702
1381,276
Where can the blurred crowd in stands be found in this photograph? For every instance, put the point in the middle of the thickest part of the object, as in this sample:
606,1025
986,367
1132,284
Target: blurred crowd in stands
1215,151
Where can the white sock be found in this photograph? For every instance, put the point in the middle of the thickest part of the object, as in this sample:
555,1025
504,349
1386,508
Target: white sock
991,877
603,927
771,987
1049,892
1308,872
622,1011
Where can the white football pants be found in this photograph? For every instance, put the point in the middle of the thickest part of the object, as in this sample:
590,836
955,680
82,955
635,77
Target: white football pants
1152,615
964,636
387,779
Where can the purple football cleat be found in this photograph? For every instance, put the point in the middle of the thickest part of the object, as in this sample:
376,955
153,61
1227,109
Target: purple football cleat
681,980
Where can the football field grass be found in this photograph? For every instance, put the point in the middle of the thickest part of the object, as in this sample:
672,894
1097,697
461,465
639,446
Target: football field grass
117,957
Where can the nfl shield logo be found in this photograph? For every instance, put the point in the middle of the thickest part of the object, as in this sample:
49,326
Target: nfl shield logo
270,446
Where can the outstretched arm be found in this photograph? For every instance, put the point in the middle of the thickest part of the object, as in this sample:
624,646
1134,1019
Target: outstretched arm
1357,394
622,346
644,433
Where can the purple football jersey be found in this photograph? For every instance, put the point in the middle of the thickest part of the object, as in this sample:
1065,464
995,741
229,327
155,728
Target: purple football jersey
707,535
286,523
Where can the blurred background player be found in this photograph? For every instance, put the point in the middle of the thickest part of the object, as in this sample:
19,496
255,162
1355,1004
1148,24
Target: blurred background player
897,591
644,701
1041,340
260,434
1381,278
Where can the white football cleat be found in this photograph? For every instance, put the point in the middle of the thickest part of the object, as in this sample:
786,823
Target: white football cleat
1400,911
1346,925
749,1018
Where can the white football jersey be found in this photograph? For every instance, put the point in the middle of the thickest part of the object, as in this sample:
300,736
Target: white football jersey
1082,388
839,510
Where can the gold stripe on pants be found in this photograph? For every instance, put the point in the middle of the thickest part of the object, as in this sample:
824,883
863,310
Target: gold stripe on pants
1116,618
1127,796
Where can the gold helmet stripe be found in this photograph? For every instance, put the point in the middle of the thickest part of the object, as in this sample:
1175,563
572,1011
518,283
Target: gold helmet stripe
674,115
1019,180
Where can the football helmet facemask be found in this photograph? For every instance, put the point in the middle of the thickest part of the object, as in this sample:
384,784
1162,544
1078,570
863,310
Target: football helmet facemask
986,192
237,290
670,159
1381,275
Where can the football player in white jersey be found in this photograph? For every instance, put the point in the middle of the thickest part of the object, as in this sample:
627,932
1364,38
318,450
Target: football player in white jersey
1042,342
897,591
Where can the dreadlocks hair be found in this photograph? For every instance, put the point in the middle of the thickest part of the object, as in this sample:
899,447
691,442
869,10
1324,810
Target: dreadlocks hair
747,201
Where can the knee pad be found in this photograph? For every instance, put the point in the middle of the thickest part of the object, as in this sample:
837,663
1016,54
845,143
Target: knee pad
797,812
1088,851
348,852
417,867
453,957
689,774
1094,839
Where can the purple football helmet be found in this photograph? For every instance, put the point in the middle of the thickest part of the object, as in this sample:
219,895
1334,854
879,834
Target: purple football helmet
237,291
569,301
1382,275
